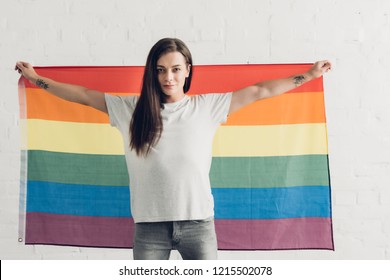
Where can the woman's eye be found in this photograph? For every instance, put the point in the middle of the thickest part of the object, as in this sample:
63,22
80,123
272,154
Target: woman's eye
160,70
176,69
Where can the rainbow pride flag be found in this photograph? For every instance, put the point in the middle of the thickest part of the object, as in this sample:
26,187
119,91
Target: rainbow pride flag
269,176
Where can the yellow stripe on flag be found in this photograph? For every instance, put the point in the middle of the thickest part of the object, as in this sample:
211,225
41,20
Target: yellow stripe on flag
68,137
235,141
271,140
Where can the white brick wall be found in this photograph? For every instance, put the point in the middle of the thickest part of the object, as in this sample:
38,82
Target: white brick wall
354,34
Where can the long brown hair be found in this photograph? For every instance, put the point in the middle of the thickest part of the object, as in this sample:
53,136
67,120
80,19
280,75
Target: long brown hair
146,124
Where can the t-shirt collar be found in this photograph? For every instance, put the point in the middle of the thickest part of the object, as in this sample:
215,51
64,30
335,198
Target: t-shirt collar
174,106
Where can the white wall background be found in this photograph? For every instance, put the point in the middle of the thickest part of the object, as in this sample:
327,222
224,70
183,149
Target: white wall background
354,34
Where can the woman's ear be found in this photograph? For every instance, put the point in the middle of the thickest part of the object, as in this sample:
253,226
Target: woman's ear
188,70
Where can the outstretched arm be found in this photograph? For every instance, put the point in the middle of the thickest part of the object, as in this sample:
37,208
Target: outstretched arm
275,87
73,93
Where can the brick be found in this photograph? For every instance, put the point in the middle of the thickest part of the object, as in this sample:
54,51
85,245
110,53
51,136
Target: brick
188,35
107,253
368,197
357,250
384,197
11,249
371,212
205,20
345,198
211,34
208,52
89,9
55,250
342,212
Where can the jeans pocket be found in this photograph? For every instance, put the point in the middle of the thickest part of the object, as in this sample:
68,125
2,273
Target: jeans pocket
210,219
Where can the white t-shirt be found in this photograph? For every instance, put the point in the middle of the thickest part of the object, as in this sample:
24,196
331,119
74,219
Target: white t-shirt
172,183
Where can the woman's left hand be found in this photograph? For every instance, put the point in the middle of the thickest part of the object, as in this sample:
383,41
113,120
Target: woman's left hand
319,68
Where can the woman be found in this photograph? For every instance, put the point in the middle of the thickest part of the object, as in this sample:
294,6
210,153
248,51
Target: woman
169,138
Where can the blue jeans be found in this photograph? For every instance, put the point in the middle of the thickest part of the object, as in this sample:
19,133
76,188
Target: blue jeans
195,240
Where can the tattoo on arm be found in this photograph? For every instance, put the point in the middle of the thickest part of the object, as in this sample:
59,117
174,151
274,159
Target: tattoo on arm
41,83
298,80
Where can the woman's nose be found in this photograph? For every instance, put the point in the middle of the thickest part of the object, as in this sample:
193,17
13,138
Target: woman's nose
169,76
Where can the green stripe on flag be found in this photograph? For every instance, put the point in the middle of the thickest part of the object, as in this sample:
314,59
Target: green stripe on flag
226,172
269,172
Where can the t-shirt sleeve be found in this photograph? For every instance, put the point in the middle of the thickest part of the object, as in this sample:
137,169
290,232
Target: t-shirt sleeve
218,104
120,109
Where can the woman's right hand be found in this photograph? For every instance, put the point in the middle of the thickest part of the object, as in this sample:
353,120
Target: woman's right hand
26,70
69,92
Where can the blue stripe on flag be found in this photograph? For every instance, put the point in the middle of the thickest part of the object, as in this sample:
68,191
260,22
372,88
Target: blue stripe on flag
113,201
272,203
79,200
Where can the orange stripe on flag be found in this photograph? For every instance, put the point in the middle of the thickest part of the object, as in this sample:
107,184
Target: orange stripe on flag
294,108
304,107
43,105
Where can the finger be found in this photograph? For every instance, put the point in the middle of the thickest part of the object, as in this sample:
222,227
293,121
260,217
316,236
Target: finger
19,65
23,64
17,68
328,66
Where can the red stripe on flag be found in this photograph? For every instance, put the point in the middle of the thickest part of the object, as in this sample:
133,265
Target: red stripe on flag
206,78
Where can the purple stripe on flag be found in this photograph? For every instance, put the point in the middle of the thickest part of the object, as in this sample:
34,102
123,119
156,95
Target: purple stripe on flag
56,229
268,234
273,234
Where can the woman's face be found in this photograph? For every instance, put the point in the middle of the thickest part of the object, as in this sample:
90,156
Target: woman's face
172,72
